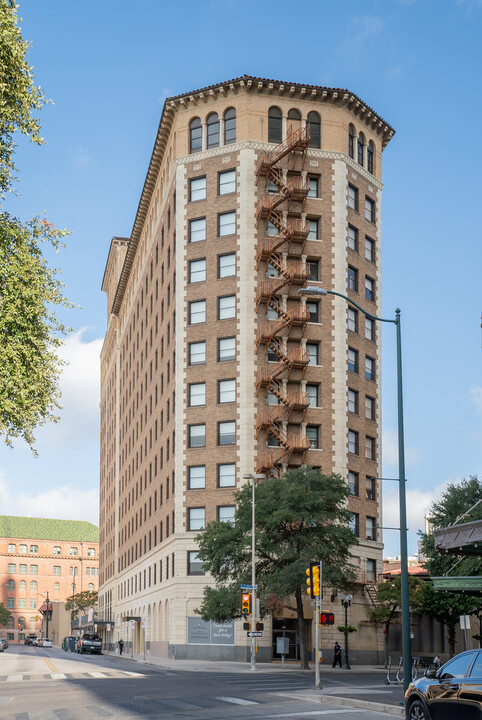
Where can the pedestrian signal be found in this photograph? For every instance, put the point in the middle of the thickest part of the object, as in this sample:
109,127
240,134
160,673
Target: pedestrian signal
327,618
259,626
246,604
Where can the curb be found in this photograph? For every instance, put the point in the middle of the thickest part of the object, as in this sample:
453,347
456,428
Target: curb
393,710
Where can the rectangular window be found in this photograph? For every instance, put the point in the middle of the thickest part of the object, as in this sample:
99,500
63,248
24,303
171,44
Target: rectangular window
194,564
352,319
314,267
371,528
22,569
10,603
227,265
271,229
353,483
12,568
226,224
353,238
313,350
197,394
369,288
369,368
313,432
313,392
197,312
352,279
369,407
369,328
196,518
12,548
227,433
226,307
197,189
226,513
226,391
226,349
314,228
354,524
227,182
197,230
353,443
22,549
369,249
197,271
33,569
313,183
313,308
371,571
197,436
226,475
33,549
371,491
197,353
369,210
353,401
370,448
197,477
353,197
56,570
33,603
352,360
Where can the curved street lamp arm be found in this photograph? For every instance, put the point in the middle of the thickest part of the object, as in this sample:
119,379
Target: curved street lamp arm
365,312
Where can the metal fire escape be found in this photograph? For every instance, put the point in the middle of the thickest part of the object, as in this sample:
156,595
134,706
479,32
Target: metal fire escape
279,337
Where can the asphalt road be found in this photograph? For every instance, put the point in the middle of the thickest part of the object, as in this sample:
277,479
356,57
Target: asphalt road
49,684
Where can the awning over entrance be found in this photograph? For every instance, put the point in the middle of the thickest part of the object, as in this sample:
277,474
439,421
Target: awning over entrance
459,584
465,539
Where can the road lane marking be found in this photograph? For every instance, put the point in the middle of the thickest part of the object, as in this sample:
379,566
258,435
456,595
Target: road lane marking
58,676
97,675
236,701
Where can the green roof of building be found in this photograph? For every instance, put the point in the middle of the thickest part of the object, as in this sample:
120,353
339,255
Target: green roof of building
46,529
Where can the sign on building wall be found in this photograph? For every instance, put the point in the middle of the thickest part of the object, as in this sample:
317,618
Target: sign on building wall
200,632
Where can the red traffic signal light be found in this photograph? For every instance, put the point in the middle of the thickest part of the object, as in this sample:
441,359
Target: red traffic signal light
259,626
327,618
246,604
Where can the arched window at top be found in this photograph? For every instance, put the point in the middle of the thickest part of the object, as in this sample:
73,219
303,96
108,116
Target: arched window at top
370,157
11,585
315,129
361,149
21,623
33,587
275,125
195,135
351,141
213,130
294,119
230,126
22,586
10,624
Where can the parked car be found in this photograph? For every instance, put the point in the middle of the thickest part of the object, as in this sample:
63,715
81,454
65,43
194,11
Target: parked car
3,644
452,691
30,639
89,642
47,642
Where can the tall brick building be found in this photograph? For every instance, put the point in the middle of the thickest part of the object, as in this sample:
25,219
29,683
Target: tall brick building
213,364
40,556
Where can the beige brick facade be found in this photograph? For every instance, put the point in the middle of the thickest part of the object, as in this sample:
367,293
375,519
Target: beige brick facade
171,385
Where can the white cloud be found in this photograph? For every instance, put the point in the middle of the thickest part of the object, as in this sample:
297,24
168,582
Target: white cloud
475,395
81,157
61,503
80,385
419,501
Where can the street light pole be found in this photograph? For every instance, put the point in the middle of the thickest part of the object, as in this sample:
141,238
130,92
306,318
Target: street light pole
346,602
47,617
405,602
253,478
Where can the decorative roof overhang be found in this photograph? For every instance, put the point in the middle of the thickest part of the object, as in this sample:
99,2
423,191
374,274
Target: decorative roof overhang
246,83
459,584
465,539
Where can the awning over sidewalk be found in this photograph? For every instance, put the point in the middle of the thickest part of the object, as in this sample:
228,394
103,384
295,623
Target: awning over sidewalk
459,584
465,539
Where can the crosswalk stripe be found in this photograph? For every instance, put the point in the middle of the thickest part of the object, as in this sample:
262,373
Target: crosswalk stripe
237,701
14,678
57,676
97,674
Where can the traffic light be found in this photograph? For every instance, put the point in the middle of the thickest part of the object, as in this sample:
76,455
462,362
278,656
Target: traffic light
259,626
246,626
309,580
246,604
315,570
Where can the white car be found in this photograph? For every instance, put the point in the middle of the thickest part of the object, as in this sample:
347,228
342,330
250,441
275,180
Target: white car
47,642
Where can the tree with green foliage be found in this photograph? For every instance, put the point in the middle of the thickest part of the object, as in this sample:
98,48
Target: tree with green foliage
300,517
446,607
4,615
30,290
388,601
81,601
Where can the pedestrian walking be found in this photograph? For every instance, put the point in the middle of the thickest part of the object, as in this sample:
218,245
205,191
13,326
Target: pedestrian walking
336,654
437,661
121,646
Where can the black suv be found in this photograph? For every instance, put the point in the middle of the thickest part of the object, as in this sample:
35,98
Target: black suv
452,691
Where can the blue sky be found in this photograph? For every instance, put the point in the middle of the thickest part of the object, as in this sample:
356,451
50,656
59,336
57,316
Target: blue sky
108,67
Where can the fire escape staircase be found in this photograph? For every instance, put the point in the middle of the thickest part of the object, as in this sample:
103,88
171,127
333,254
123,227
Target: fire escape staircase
292,233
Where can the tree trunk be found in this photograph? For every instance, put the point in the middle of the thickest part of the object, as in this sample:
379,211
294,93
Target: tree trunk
301,630
387,632
451,637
